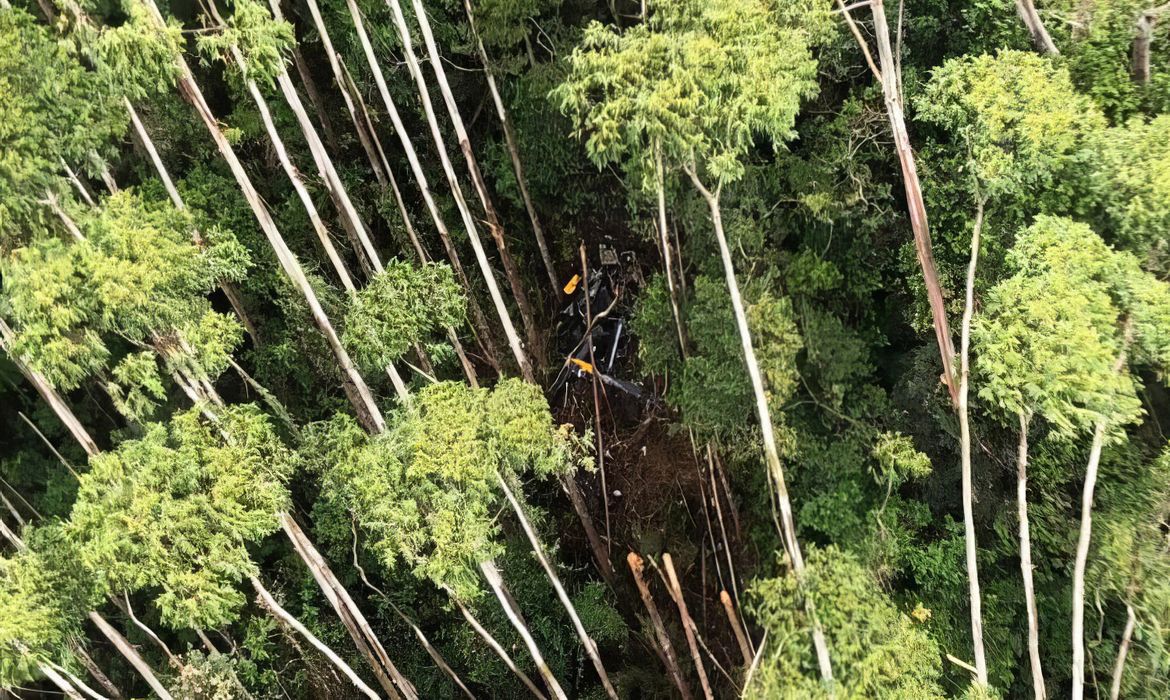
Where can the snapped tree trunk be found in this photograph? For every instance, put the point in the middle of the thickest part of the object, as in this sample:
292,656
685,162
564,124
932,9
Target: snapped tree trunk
1143,37
58,680
130,654
492,574
965,457
514,154
1122,652
665,648
914,201
688,624
269,603
485,267
1026,9
1026,561
771,451
357,390
495,226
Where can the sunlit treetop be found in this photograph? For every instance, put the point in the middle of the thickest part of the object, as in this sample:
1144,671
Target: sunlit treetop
402,305
173,513
1133,178
1016,114
51,110
427,492
703,79
1049,336
131,57
137,275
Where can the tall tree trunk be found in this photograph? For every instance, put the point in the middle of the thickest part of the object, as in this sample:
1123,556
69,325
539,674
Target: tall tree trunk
600,554
514,154
538,549
495,226
771,452
664,241
1026,9
457,192
1038,689
477,317
311,88
229,288
393,682
965,456
358,391
914,201
284,616
48,393
499,650
492,574
58,680
131,654
1122,652
98,675
1086,534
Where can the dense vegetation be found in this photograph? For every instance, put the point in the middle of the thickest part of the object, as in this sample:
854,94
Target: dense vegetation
290,292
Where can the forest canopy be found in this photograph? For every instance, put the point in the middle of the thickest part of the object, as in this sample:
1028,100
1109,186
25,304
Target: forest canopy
571,349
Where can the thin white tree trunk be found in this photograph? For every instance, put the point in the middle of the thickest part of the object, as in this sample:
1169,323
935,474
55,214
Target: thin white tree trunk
360,395
492,574
665,648
688,624
286,617
771,451
514,154
456,190
667,257
48,393
965,456
393,682
58,680
78,683
538,549
1086,534
1038,689
499,650
1122,652
494,225
478,319
130,654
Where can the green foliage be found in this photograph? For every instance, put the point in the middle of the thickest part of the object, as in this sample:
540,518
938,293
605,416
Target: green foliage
208,677
1133,184
427,490
133,58
136,388
173,513
1016,114
699,80
402,305
898,460
51,110
263,41
878,651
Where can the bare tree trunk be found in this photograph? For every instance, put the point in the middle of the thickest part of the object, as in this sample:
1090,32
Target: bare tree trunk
1026,560
98,675
270,604
687,623
311,88
478,319
48,393
669,658
600,554
664,241
457,192
514,154
1122,652
58,680
360,395
1086,534
499,650
771,452
78,683
1143,37
1026,9
492,574
359,629
736,627
131,654
538,549
917,207
495,226
965,455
